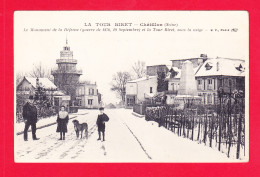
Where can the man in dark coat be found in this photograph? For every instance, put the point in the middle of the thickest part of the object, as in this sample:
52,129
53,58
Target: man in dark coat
102,118
30,118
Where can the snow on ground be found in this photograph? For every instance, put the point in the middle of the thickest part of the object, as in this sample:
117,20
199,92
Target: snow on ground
128,139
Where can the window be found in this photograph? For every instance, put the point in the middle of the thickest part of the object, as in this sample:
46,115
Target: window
230,82
209,99
90,101
208,66
199,84
80,103
204,98
91,91
210,84
151,89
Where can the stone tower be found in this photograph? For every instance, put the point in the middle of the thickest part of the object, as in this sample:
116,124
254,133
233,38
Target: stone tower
66,77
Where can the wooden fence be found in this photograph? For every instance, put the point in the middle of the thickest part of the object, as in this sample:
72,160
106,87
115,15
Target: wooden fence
222,129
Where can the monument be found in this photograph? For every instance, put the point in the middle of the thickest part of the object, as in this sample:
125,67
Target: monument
187,93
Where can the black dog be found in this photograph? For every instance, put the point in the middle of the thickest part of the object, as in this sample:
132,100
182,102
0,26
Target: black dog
80,128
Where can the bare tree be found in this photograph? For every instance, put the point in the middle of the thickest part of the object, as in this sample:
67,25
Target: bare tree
119,82
19,77
139,69
40,71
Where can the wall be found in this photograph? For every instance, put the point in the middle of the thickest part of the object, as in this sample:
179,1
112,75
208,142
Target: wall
173,84
144,87
83,95
152,70
208,92
25,85
94,102
131,89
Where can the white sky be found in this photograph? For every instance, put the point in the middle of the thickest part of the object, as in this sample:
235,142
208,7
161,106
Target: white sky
101,54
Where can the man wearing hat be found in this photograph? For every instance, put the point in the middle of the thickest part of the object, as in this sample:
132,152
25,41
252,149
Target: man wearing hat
30,118
102,118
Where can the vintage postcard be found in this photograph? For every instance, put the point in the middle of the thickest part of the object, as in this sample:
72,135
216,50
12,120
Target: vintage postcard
131,86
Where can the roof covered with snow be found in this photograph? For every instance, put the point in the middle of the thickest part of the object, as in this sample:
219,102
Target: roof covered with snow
142,79
222,66
44,82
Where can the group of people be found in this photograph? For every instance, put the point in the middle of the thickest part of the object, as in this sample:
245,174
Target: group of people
30,119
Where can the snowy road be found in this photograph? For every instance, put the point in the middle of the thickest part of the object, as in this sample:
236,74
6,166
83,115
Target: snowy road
128,139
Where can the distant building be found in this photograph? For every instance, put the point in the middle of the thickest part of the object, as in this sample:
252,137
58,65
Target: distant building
28,86
145,88
217,73
110,106
87,95
137,91
153,70
195,61
210,74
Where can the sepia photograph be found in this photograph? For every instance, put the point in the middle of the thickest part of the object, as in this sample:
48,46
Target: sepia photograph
131,86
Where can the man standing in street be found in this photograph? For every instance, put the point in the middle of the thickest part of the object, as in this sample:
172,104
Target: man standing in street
102,118
30,118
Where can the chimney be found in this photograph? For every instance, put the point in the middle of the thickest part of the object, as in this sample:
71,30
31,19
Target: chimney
204,56
217,66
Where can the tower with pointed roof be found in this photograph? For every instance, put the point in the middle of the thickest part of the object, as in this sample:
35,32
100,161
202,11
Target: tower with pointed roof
66,76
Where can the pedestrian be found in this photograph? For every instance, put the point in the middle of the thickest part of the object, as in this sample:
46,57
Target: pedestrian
30,118
62,120
102,118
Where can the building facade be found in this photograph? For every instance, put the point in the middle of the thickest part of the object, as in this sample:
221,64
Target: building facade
87,95
153,70
137,91
220,73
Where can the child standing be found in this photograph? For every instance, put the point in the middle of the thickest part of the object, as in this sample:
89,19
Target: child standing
62,120
102,118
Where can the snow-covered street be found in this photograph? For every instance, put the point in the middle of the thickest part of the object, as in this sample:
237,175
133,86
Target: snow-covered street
128,139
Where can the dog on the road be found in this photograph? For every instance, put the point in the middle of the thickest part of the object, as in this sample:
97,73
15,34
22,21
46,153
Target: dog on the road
79,128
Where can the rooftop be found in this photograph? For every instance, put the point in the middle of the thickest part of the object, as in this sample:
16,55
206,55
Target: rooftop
142,79
44,82
222,66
